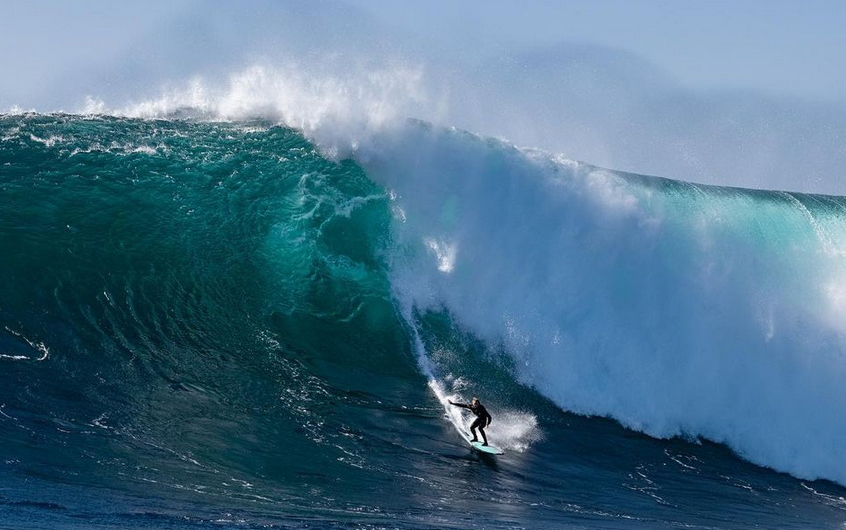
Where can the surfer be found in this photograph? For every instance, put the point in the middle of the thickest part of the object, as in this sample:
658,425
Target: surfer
483,418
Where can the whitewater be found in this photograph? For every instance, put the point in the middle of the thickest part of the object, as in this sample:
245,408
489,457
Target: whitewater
303,259
677,309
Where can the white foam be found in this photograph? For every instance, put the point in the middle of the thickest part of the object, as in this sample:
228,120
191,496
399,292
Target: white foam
338,110
512,430
40,347
49,141
682,312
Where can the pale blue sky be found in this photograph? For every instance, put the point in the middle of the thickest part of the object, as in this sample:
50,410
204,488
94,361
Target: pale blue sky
784,47
792,47
744,93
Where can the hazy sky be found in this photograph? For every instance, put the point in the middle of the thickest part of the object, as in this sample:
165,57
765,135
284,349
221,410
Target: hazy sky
791,47
744,93
784,47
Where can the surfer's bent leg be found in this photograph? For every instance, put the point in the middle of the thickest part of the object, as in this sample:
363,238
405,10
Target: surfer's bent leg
477,423
482,430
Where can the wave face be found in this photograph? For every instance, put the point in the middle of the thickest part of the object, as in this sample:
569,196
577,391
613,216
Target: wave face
208,324
674,308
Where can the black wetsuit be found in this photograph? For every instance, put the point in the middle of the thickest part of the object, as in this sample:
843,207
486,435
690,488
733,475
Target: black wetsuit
483,419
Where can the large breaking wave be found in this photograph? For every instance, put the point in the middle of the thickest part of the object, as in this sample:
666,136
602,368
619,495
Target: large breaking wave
675,308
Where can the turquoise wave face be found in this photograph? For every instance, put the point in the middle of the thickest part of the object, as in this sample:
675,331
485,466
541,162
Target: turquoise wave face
213,323
186,289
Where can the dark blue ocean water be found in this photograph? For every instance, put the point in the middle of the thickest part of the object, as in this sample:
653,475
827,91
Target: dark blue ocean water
200,328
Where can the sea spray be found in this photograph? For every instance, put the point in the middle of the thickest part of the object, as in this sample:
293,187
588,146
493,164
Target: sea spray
677,309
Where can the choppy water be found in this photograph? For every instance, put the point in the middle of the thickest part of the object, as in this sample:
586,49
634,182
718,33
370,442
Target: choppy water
210,325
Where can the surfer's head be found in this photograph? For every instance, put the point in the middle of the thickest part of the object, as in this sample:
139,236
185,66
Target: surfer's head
474,400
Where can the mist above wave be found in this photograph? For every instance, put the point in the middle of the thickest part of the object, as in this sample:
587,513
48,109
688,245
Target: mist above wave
604,105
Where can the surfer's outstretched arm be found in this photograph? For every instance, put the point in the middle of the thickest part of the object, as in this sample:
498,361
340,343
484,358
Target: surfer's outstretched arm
462,405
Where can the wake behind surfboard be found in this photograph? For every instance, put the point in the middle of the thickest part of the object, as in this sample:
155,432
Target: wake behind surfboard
487,449
455,417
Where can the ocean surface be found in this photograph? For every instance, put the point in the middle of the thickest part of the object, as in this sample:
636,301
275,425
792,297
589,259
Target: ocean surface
224,324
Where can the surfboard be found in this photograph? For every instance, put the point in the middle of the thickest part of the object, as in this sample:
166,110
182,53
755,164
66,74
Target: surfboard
488,449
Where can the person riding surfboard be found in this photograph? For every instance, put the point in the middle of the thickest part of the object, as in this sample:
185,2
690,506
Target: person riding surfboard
483,418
